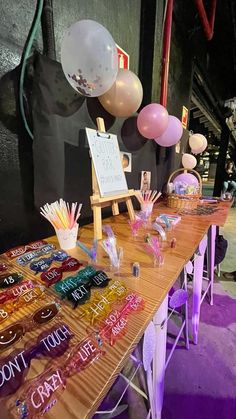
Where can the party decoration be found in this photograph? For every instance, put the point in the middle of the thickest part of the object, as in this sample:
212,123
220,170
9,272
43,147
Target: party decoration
115,325
168,218
198,143
36,399
187,179
172,133
89,58
135,225
164,219
109,245
16,331
189,161
41,265
28,257
108,231
60,215
131,137
100,304
152,121
92,253
54,275
15,291
69,264
160,230
9,280
100,280
42,392
21,250
28,297
51,343
147,196
152,246
78,295
125,95
81,292
83,276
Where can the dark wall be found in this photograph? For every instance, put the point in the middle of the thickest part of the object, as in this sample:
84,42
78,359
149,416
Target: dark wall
19,221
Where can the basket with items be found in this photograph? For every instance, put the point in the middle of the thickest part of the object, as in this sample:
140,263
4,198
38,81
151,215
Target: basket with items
184,189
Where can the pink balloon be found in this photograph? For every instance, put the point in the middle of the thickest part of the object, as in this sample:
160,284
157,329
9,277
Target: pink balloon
187,178
152,120
172,134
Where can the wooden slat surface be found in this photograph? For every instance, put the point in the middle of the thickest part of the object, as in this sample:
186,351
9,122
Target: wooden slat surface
85,391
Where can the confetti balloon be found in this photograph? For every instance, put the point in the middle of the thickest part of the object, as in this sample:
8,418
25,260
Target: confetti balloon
189,161
89,58
125,96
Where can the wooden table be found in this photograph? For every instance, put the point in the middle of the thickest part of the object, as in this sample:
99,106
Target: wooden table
86,390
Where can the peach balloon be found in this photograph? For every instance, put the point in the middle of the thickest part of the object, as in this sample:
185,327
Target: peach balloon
198,143
125,95
189,161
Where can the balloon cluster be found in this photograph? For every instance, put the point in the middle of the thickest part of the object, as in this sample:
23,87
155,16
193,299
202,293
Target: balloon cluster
89,60
198,143
155,123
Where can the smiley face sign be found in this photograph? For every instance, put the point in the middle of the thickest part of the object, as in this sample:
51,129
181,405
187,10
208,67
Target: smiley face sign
10,335
46,313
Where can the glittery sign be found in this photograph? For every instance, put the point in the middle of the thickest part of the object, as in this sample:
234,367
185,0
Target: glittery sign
39,395
21,250
16,331
54,275
83,276
9,280
43,264
15,291
100,305
28,297
78,295
51,343
115,324
42,393
28,257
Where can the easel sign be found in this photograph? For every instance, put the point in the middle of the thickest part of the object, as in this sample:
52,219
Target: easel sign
108,178
107,162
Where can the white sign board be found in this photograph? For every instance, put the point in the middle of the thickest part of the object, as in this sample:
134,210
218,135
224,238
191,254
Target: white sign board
107,162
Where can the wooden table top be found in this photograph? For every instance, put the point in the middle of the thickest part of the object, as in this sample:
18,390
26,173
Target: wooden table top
86,390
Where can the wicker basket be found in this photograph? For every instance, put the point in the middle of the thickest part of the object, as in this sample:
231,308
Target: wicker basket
190,201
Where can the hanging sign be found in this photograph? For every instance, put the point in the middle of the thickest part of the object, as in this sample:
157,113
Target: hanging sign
123,58
184,118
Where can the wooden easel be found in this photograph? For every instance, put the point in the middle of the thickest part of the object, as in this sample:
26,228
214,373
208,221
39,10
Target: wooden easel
98,202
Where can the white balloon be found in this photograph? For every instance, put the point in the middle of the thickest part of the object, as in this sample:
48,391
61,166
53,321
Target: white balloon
89,58
189,161
197,142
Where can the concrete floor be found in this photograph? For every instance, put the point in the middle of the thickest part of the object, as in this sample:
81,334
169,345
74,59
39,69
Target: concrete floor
201,383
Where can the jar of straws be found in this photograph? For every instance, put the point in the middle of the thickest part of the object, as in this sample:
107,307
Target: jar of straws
64,220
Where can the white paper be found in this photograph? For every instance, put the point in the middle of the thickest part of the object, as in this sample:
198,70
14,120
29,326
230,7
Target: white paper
105,153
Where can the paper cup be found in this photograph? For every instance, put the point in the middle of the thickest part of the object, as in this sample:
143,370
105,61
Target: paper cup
147,207
67,237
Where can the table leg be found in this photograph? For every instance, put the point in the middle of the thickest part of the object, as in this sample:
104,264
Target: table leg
197,291
159,358
211,238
